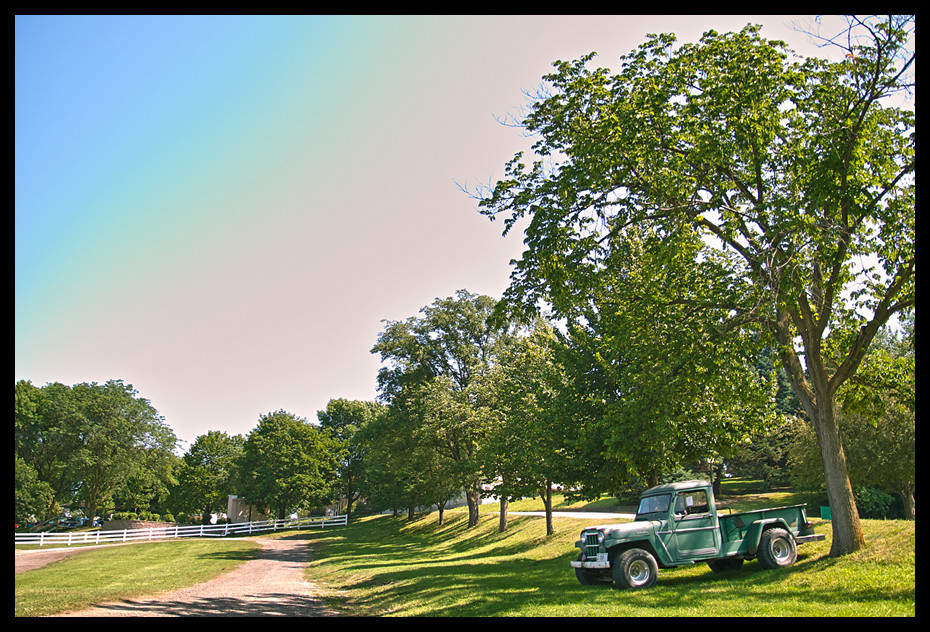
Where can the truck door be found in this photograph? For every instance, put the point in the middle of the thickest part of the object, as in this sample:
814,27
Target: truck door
694,529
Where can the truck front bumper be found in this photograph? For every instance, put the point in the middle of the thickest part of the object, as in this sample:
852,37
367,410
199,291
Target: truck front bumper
600,562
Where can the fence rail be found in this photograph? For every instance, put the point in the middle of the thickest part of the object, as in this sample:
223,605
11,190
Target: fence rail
176,531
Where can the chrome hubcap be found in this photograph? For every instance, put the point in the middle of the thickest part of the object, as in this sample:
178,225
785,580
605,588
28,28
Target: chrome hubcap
639,573
780,549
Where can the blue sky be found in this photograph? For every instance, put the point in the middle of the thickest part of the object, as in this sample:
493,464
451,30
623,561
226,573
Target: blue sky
221,210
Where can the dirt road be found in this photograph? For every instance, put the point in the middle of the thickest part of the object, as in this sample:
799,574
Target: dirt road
272,584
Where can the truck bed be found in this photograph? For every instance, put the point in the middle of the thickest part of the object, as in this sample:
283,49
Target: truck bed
734,526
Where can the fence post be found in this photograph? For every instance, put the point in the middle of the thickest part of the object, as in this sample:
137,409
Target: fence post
124,534
97,541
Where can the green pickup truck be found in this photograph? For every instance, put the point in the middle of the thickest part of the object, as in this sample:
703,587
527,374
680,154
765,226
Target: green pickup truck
678,524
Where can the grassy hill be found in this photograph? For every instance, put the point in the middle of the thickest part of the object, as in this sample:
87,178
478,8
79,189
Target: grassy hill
385,566
390,566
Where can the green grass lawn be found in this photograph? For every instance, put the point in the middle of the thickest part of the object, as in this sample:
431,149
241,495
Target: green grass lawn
119,572
385,566
389,566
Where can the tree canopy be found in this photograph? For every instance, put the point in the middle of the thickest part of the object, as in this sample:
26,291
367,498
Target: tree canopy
434,375
90,441
288,464
795,174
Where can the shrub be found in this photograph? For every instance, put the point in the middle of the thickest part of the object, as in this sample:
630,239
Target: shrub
873,503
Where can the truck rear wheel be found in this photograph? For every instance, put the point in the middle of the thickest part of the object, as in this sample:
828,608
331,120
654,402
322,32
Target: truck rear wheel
777,549
634,569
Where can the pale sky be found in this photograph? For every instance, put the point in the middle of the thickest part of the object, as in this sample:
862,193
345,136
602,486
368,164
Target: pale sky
222,210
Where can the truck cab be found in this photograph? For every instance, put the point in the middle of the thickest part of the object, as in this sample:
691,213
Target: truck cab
678,523
686,514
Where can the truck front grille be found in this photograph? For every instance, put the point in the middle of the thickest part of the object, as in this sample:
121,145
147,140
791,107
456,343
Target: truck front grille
592,543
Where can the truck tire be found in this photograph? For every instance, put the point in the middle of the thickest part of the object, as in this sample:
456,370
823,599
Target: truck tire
635,569
587,578
777,549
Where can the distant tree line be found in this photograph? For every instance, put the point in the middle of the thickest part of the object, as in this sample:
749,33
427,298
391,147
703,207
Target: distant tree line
102,448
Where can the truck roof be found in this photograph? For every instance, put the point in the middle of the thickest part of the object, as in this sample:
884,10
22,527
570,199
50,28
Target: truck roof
674,487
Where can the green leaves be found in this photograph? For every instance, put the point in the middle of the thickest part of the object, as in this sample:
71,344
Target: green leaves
287,464
91,441
797,179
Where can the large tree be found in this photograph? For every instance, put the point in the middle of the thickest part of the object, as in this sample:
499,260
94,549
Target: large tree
432,367
206,476
287,463
47,436
798,173
345,418
90,440
122,433
530,442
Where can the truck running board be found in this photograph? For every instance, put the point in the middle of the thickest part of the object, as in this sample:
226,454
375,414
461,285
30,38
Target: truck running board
801,539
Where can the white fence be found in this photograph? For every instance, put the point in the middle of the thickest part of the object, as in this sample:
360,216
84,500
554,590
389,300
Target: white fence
176,531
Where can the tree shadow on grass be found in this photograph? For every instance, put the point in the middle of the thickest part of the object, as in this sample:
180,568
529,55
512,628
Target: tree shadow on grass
257,605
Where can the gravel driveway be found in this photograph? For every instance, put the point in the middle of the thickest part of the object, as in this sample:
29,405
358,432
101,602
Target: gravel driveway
272,584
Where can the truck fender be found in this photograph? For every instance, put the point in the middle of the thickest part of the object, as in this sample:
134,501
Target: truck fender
754,533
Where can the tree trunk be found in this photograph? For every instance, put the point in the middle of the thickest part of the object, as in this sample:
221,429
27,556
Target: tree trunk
907,496
473,498
716,474
818,396
547,500
847,530
503,522
411,511
442,508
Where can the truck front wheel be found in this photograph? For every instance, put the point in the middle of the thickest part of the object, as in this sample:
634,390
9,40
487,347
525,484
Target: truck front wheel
777,549
635,568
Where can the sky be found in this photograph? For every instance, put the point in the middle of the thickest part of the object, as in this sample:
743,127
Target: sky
222,211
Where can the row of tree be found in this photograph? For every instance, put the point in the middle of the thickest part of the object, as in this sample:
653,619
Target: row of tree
471,402
104,448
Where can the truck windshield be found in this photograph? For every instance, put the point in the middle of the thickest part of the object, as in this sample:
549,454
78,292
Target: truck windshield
654,504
